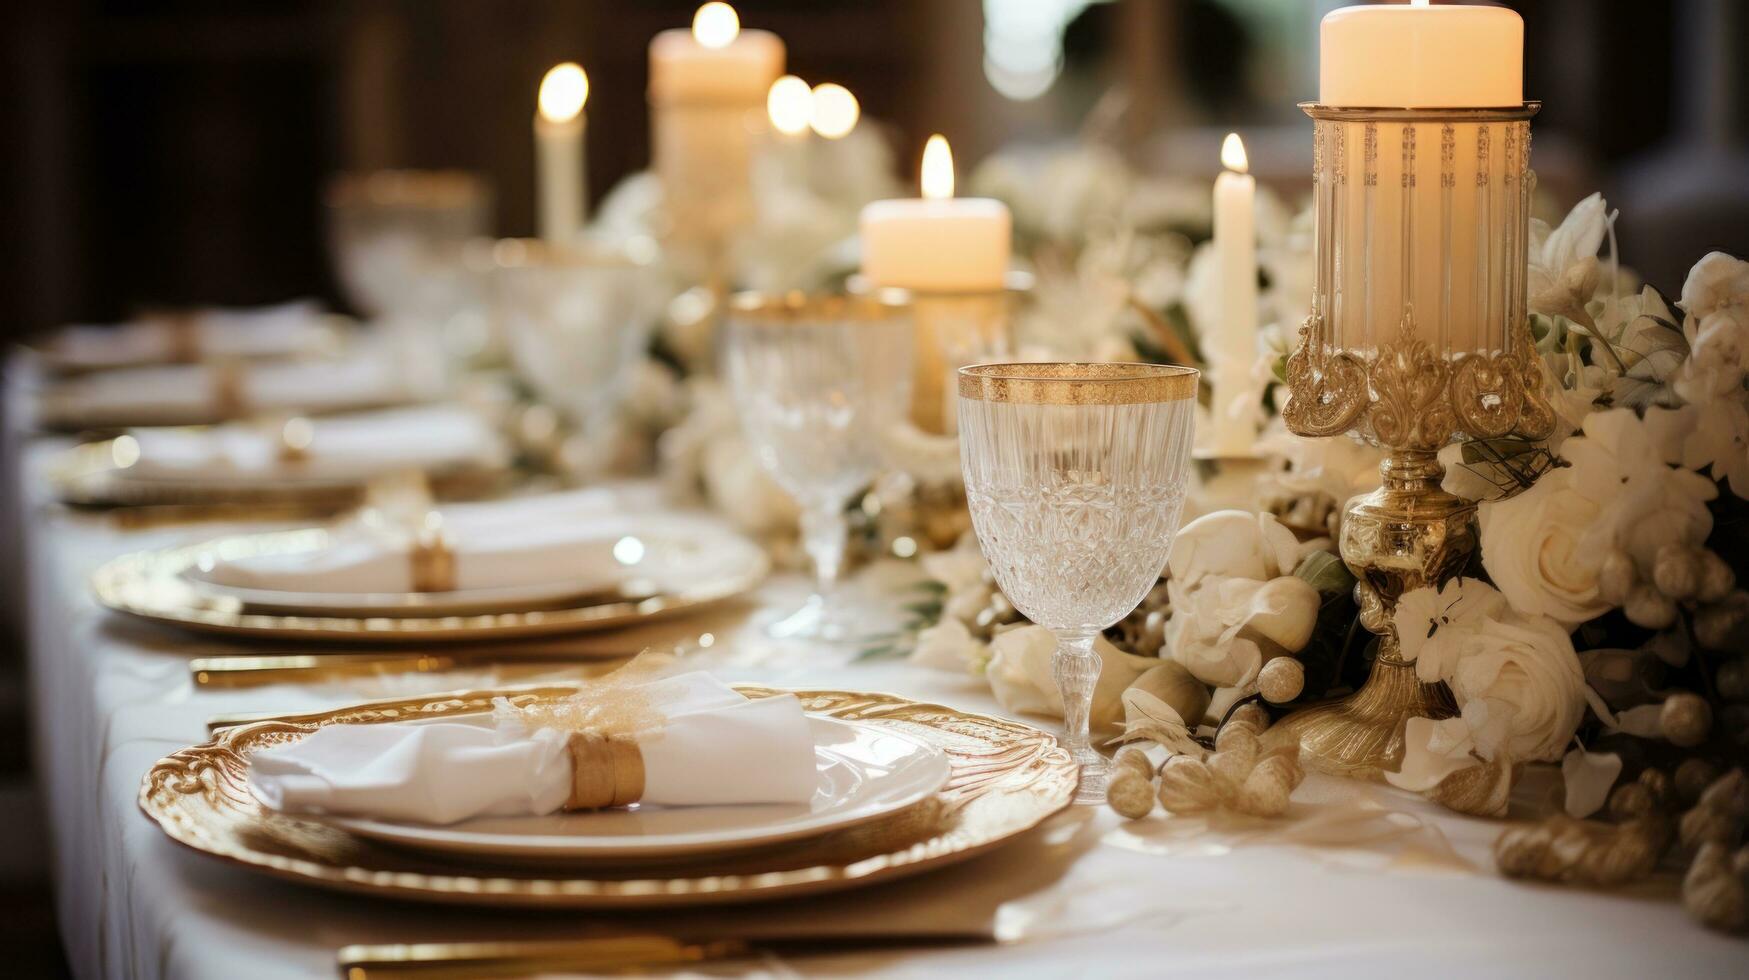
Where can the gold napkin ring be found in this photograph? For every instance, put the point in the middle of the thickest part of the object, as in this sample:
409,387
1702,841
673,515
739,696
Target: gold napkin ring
229,401
606,771
432,560
294,436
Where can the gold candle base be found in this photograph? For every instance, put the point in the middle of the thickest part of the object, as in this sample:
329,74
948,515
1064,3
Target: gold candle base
1407,534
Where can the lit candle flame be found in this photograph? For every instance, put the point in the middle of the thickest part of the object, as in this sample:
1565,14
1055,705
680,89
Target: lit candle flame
835,111
790,103
563,92
937,169
716,25
1233,153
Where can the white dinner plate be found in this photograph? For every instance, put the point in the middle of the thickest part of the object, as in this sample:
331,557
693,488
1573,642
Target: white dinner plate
865,772
646,562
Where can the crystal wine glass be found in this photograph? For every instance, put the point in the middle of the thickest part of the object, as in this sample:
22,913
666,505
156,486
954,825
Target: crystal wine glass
818,382
1075,475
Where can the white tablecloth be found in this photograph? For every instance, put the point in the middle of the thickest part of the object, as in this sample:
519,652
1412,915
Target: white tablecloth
1102,898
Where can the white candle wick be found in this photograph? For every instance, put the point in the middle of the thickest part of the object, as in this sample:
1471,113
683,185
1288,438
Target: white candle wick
834,111
937,177
790,104
563,92
716,25
1233,154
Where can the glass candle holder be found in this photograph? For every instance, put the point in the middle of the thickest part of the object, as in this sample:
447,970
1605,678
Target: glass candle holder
1418,335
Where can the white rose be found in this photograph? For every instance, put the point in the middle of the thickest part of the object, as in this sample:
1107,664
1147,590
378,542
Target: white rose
1517,681
960,568
1022,679
1544,546
1235,599
1534,547
949,646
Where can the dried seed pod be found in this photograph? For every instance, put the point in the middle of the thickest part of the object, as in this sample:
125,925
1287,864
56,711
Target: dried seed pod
1133,757
1266,790
1693,776
1238,736
1583,851
1281,680
1188,786
1250,713
1732,680
1648,607
1686,719
1676,571
1630,800
1480,791
1716,578
1729,793
1659,787
1616,577
1713,891
1130,793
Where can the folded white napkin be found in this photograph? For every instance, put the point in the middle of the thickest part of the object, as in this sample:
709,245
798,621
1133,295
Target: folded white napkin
285,329
715,747
569,538
386,372
341,447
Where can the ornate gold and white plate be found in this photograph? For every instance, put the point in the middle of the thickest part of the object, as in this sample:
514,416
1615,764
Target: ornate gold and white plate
865,772
97,474
1006,778
160,586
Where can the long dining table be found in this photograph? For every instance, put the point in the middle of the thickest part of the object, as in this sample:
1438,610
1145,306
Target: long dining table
1397,887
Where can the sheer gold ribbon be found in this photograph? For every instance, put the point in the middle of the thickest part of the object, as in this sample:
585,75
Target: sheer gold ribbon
230,401
604,721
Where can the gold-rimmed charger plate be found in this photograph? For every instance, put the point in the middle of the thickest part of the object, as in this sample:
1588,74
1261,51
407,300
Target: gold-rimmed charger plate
88,475
1007,779
151,585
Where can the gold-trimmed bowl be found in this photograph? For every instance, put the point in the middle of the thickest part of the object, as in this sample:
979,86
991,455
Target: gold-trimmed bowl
1007,779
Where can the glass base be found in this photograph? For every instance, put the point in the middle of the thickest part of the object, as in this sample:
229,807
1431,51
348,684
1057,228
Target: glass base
1095,773
818,619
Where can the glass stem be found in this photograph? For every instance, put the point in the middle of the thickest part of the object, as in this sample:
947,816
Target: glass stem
1077,671
824,531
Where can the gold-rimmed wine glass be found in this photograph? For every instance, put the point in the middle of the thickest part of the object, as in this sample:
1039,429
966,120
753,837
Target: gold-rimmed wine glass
1075,476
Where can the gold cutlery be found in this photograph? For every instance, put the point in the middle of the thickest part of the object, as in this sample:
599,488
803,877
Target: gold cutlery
239,671
448,961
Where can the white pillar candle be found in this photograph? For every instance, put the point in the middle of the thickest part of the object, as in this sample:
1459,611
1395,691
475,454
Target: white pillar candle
1231,343
1421,211
938,242
715,61
951,253
558,152
707,93
1417,55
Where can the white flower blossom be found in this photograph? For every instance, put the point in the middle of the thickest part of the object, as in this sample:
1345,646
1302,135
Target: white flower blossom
1235,599
1518,683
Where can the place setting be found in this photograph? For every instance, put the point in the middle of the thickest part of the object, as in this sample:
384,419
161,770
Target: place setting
1055,559
646,788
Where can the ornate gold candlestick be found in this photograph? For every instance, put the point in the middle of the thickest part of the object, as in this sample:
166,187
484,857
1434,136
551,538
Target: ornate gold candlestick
1417,335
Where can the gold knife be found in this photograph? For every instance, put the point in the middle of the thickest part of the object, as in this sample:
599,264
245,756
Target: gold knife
253,671
451,961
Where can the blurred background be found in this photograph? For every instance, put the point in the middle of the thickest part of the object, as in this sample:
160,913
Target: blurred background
175,152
